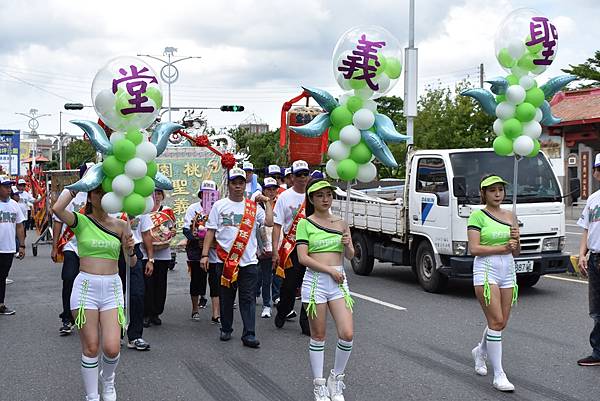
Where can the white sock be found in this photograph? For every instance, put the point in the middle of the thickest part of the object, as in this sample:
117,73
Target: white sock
316,351
89,371
108,366
483,344
494,350
342,354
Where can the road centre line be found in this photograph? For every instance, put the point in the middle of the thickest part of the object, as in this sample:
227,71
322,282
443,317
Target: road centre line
376,301
565,279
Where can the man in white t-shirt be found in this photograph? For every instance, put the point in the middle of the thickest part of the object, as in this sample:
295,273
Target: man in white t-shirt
26,201
590,241
252,185
11,227
229,224
289,204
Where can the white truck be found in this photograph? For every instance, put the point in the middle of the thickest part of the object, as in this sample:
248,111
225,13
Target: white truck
426,228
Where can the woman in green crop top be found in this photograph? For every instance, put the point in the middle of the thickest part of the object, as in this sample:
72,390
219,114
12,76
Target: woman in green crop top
494,241
97,296
322,242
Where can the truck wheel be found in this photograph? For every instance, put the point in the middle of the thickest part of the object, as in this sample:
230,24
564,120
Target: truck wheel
362,262
429,277
527,281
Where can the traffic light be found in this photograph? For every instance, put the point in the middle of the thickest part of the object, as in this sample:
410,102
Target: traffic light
73,106
232,108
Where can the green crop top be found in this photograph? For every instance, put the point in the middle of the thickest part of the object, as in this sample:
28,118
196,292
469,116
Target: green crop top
318,238
94,240
493,232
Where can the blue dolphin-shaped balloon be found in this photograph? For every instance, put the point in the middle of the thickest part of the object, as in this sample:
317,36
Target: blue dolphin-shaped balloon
548,118
384,127
162,182
485,98
499,85
160,136
555,84
92,179
323,98
379,148
96,134
315,127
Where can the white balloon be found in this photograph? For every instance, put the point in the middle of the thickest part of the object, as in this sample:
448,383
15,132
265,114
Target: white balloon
539,69
384,83
515,94
116,136
149,204
498,124
111,202
146,151
527,82
350,135
343,82
366,172
338,151
364,93
516,49
363,119
505,110
532,129
344,98
370,104
105,100
538,115
331,169
136,168
523,145
122,185
518,71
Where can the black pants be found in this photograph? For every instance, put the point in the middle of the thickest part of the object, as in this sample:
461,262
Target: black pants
287,294
136,300
246,283
70,270
198,279
156,288
6,260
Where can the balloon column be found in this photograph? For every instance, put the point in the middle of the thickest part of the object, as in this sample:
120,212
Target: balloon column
526,44
367,63
126,95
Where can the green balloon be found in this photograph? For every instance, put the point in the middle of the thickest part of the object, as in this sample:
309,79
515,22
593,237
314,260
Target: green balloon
334,134
354,104
152,169
533,49
503,146
382,64
107,183
112,167
121,103
535,96
124,150
393,67
340,117
361,153
154,94
134,204
512,80
357,83
135,136
536,148
525,112
505,59
347,169
512,128
526,62
144,186
500,98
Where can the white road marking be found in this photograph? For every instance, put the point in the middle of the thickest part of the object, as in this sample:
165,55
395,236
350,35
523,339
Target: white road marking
573,225
565,279
376,301
570,232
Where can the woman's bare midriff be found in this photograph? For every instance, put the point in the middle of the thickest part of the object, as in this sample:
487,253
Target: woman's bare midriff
328,258
100,266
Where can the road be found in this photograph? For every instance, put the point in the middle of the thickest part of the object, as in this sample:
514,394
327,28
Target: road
415,347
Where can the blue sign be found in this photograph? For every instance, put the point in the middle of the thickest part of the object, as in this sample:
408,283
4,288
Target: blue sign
10,151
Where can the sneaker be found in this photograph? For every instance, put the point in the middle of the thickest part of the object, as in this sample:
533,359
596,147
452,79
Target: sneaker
6,311
108,388
589,361
138,344
225,336
501,383
321,393
266,312
291,315
147,322
66,329
279,320
155,320
251,341
196,316
202,303
9,281
215,320
479,358
336,386
276,301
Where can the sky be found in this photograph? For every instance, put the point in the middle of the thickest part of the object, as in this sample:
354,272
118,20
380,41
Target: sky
253,53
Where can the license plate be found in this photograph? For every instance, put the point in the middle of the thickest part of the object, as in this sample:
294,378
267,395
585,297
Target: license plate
523,266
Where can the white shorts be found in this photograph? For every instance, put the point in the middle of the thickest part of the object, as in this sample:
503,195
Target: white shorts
97,291
325,287
500,270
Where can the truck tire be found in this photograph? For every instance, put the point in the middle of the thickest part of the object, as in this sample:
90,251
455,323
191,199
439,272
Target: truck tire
527,281
429,277
362,262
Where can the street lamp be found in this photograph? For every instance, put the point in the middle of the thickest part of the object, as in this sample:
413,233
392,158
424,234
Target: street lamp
33,124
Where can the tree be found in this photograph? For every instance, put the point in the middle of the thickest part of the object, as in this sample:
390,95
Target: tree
79,152
588,71
393,107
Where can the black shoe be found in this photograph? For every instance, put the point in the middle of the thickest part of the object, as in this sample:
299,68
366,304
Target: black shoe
215,320
66,329
138,344
291,315
6,311
589,361
225,336
279,320
251,341
155,320
147,322
202,303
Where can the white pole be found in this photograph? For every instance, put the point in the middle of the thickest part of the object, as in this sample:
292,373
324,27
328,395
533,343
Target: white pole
515,189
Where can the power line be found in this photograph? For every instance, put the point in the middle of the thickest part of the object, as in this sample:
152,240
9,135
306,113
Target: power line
36,86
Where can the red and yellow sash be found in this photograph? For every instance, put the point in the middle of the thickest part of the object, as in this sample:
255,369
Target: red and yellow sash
232,259
288,244
64,239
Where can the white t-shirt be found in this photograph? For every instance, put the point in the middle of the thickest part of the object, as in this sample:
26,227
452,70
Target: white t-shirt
145,226
249,193
10,215
75,205
26,199
287,206
590,220
191,212
135,230
225,218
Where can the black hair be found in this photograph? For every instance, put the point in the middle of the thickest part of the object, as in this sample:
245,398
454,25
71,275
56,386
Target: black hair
482,190
309,207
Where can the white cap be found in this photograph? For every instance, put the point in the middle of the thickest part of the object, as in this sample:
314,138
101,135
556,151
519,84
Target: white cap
247,166
288,171
597,161
21,181
273,169
207,184
236,172
299,165
270,182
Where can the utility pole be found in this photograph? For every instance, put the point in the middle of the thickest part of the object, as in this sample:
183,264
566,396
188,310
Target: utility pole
169,74
33,124
410,76
481,75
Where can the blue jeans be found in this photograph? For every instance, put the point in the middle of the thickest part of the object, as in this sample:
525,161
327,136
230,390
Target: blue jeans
246,283
263,284
276,287
594,300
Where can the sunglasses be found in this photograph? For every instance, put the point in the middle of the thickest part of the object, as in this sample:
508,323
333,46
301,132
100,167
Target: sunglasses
302,174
